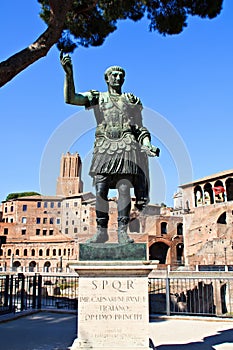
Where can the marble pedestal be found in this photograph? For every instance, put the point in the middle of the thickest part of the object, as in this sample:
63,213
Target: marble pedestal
113,312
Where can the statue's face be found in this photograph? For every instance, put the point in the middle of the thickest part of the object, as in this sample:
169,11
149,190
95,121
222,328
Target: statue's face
115,79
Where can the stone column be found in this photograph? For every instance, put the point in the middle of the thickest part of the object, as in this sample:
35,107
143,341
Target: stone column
217,297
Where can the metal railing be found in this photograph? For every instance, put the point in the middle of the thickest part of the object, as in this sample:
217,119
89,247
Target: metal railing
22,292
206,294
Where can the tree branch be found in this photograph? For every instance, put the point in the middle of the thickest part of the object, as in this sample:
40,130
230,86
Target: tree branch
22,59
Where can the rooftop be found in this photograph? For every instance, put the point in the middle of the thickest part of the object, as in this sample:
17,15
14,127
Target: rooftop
220,175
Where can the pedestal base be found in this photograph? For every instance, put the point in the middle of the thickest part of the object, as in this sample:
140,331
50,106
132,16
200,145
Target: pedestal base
78,346
113,310
112,251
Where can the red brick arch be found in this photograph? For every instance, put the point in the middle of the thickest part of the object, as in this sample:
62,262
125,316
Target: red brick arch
159,250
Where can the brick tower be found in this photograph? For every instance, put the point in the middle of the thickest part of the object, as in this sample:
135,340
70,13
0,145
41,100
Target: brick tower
69,182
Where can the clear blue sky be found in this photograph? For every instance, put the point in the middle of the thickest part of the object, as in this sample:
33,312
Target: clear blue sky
185,83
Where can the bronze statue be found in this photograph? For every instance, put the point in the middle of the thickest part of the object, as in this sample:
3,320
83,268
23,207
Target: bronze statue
121,149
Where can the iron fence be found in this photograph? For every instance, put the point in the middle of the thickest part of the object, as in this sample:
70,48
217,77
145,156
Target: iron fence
22,292
59,291
204,296
173,294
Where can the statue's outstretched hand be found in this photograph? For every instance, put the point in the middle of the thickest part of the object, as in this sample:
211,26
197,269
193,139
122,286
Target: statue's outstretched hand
66,63
150,150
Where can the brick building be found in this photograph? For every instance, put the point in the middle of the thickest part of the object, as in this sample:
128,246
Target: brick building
69,181
208,219
34,240
43,232
165,239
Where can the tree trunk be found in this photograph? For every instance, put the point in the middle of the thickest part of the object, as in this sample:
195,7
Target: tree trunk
21,60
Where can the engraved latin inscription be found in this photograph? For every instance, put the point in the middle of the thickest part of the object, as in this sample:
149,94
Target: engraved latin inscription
113,307
109,307
120,286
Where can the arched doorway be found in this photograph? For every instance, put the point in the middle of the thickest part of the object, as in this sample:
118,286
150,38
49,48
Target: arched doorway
16,265
47,265
158,251
32,266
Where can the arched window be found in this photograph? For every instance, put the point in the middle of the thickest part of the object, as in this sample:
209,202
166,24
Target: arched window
163,228
54,252
9,252
198,196
17,252
59,252
41,252
180,228
208,194
47,264
25,252
47,252
179,252
33,252
219,192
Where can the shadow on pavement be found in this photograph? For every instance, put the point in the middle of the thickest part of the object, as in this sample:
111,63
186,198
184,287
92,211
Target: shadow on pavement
208,343
40,331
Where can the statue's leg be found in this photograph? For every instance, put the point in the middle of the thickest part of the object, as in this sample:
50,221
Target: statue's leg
141,191
102,208
123,206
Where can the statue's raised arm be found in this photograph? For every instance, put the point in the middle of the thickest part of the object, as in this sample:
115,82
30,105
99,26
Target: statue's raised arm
70,95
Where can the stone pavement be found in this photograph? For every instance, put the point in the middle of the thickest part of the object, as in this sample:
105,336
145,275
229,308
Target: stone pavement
39,331
56,331
187,333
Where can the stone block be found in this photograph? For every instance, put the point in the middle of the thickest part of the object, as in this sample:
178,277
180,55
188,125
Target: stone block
112,252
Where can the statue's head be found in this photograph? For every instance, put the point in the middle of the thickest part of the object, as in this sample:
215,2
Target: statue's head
113,69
